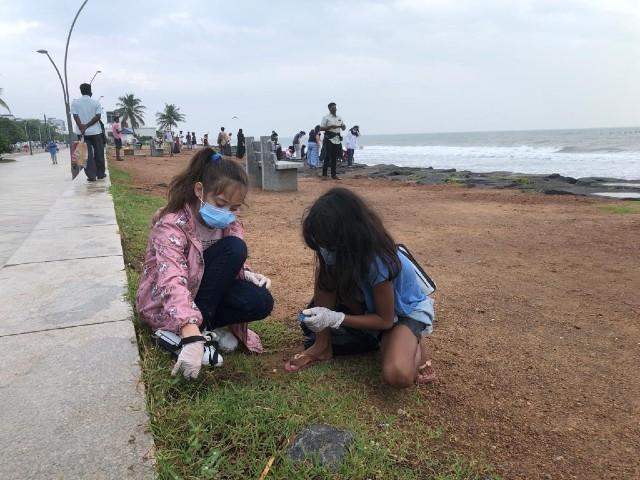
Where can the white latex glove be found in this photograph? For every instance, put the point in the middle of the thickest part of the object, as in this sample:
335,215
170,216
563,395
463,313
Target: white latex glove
257,279
190,360
319,318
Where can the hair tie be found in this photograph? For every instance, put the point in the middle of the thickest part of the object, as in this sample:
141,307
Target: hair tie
215,156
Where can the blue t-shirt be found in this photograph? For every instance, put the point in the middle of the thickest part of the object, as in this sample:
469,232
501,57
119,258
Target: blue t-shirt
407,293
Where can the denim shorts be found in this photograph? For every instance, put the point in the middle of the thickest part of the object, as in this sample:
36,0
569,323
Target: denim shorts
416,327
420,321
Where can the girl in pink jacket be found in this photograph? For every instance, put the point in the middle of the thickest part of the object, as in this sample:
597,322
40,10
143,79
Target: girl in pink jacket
195,275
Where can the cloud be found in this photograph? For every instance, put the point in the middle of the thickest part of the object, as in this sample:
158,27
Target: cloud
15,29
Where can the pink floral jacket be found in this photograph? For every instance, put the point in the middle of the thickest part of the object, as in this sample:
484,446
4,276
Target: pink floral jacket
173,269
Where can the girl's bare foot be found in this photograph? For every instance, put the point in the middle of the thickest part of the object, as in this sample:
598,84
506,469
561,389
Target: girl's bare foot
305,359
426,374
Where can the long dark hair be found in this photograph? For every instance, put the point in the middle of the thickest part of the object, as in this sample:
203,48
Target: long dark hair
342,222
215,175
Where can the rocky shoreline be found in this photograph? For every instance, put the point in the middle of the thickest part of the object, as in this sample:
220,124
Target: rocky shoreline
553,184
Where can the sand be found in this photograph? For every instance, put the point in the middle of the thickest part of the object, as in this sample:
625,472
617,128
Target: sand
536,342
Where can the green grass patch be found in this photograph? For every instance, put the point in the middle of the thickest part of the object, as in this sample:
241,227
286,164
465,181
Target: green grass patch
621,209
228,423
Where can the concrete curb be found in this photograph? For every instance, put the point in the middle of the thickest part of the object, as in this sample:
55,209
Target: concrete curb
73,402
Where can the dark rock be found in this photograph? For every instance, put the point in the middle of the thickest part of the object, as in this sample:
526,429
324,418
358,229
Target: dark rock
556,191
323,442
557,176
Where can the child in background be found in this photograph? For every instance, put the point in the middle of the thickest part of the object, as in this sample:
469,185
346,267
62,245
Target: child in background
52,148
366,295
195,274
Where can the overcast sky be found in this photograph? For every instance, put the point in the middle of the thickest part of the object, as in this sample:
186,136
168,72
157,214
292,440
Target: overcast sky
403,66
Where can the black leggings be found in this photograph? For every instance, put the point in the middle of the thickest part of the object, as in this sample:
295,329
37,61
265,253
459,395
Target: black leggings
222,298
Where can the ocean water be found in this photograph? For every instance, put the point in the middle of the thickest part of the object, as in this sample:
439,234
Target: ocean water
602,152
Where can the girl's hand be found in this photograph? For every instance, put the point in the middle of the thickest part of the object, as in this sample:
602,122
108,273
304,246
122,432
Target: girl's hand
321,318
257,279
190,360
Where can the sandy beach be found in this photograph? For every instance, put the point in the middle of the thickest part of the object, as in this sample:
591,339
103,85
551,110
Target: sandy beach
536,335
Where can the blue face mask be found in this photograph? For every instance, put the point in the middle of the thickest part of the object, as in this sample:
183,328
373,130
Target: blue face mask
216,217
329,256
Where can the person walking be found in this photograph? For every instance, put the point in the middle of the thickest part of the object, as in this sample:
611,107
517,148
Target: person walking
351,142
86,113
296,143
116,131
194,140
241,147
313,147
189,146
331,124
52,148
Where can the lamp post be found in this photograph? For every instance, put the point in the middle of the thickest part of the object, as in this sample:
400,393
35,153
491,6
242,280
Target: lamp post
94,76
65,83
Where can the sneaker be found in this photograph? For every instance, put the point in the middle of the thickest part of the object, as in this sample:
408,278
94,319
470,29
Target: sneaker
335,177
227,341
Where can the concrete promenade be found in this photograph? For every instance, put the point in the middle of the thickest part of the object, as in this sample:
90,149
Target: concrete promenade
72,402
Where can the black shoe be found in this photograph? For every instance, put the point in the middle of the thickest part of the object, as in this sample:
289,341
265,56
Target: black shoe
102,177
335,177
89,179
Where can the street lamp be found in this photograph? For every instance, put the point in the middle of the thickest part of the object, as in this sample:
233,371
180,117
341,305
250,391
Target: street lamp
65,84
94,76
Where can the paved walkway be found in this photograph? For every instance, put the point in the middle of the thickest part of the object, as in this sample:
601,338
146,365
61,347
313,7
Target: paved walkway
72,404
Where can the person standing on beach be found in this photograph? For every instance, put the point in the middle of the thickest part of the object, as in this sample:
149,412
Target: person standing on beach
331,124
352,143
313,147
194,140
86,113
241,148
168,140
227,147
116,130
189,146
296,143
222,140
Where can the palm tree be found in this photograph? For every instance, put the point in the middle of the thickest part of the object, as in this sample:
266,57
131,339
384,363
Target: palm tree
169,117
3,104
131,111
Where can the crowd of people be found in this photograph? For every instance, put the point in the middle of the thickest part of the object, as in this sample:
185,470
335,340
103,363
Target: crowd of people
324,144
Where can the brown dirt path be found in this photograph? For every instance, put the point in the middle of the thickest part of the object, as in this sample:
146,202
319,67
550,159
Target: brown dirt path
537,343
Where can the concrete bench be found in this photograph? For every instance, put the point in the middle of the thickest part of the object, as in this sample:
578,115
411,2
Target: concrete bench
287,165
277,175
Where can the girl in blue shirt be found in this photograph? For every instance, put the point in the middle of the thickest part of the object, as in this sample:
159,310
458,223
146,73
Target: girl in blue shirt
366,295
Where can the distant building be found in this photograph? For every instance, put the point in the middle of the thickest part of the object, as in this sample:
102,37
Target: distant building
58,124
146,132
